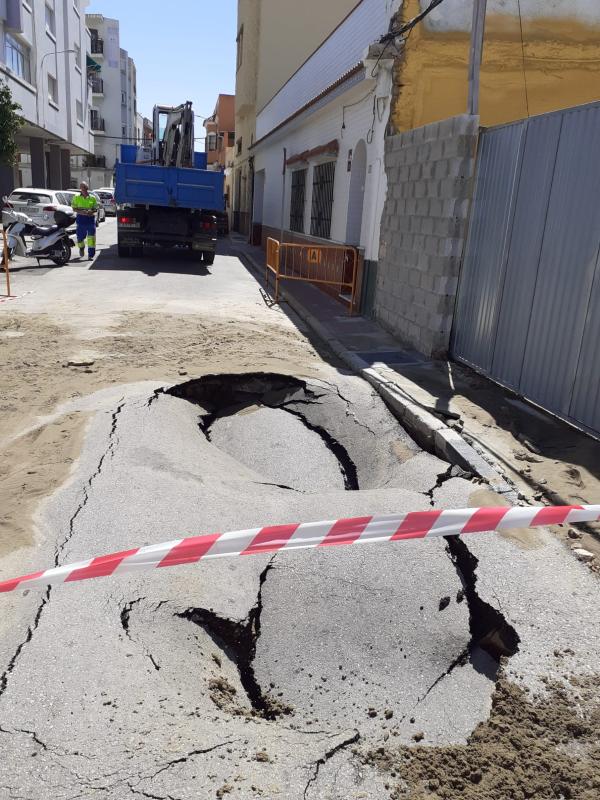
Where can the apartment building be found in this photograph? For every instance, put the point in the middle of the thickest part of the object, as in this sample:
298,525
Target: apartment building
44,48
114,101
274,38
220,132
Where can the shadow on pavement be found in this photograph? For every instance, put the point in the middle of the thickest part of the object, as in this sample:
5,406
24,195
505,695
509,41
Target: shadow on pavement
152,263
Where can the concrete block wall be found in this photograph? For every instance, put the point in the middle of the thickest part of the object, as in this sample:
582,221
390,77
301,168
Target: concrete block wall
429,180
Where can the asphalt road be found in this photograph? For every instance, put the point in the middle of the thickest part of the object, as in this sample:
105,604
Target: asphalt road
264,676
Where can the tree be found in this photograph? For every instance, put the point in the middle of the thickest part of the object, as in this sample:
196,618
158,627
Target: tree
10,124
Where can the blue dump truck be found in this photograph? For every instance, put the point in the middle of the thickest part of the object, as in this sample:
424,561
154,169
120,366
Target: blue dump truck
165,195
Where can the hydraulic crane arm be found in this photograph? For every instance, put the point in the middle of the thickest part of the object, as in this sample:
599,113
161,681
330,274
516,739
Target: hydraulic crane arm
174,135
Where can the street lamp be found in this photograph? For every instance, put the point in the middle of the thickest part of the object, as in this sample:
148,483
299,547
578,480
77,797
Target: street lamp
40,75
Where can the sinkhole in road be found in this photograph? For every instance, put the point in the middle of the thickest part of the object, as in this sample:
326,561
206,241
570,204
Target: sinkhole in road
277,426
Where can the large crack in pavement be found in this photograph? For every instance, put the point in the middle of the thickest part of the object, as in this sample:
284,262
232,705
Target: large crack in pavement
238,641
45,600
225,395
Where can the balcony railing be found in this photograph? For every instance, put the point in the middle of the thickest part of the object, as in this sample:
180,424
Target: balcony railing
97,46
97,86
96,122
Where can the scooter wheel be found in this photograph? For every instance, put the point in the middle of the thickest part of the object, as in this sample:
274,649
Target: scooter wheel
64,257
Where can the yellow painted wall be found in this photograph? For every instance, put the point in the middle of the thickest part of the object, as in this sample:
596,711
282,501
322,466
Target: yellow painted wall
557,66
290,30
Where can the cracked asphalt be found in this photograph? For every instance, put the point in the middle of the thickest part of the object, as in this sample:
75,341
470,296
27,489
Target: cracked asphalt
269,676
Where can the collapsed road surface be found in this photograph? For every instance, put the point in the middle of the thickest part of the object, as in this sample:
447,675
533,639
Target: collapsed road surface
183,404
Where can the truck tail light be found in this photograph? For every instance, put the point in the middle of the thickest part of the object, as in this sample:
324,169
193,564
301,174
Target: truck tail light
127,220
209,226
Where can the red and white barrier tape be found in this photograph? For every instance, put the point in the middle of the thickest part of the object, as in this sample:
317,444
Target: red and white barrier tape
356,530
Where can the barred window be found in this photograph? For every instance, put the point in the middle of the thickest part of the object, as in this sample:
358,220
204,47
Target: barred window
297,203
322,200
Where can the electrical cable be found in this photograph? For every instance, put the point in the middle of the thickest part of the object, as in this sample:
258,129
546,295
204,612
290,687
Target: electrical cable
349,105
408,26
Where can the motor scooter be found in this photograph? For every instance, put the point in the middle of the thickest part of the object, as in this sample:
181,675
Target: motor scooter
51,242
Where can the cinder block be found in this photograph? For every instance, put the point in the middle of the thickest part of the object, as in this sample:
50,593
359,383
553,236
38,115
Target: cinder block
411,155
397,191
419,242
433,188
436,150
411,206
418,135
436,207
427,225
446,128
445,284
423,206
427,169
431,131
449,247
404,173
420,188
427,282
400,205
416,172
414,278
424,152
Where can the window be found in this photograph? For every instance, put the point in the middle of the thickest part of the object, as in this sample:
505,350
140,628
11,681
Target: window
239,146
211,141
240,48
297,202
52,89
50,17
17,57
230,139
77,55
123,98
123,130
79,110
322,200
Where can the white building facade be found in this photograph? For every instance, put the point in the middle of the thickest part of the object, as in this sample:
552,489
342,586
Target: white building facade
43,50
329,120
114,101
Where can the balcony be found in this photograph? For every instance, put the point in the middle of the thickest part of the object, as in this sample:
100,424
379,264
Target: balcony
96,122
94,161
97,86
97,46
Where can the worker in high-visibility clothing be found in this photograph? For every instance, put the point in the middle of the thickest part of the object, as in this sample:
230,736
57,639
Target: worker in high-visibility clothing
85,206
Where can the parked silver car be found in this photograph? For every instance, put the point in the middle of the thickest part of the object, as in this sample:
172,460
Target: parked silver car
39,204
107,198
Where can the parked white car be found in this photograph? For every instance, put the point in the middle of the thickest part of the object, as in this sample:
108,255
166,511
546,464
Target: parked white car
107,198
39,204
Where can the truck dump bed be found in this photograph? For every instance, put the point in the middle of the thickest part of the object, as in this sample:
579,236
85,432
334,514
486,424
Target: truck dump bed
173,187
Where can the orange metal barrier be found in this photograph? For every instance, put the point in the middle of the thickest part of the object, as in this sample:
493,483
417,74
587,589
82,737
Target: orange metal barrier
332,265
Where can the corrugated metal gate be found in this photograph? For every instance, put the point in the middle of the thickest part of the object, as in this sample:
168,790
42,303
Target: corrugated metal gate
528,309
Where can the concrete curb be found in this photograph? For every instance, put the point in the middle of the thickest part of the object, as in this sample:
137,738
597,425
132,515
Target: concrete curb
425,428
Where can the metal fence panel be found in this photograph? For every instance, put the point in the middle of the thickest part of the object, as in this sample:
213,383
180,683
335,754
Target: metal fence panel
481,278
585,405
567,265
527,311
528,223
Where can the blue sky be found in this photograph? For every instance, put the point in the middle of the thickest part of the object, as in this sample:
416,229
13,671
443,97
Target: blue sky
183,49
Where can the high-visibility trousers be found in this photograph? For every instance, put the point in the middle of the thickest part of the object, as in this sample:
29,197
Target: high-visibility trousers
86,228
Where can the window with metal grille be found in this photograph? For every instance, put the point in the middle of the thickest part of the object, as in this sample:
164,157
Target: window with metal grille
322,200
297,200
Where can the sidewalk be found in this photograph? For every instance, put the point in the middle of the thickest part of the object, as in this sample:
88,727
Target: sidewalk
517,449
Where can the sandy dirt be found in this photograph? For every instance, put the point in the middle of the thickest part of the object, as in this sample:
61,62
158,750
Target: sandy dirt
44,365
530,747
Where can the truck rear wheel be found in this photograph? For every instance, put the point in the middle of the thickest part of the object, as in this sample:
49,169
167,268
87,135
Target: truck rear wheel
208,258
